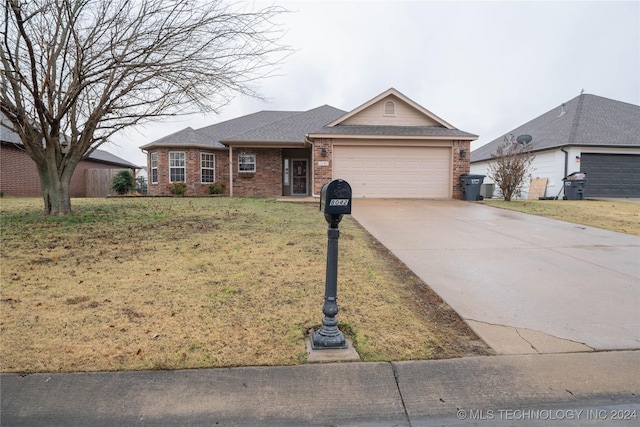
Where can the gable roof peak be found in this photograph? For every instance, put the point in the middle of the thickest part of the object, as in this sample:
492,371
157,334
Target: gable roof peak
389,92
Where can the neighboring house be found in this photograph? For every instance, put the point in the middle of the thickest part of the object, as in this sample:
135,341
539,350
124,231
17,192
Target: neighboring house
388,147
19,175
590,134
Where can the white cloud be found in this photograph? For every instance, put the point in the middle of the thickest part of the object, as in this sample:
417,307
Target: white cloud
485,67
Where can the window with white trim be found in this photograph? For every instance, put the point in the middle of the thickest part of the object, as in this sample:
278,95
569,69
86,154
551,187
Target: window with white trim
154,168
177,167
246,163
389,108
207,168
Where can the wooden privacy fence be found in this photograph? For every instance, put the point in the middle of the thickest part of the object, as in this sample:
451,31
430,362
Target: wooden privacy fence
98,181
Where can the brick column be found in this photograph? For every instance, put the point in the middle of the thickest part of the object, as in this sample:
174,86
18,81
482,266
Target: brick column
460,166
323,166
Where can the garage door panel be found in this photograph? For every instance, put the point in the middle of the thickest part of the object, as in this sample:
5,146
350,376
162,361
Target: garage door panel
611,175
394,172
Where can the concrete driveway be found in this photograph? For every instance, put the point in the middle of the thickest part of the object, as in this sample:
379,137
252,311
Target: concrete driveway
524,284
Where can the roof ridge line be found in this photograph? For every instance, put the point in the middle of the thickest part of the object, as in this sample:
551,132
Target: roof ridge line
576,120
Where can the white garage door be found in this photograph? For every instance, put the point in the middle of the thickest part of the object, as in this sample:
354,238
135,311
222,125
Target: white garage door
394,172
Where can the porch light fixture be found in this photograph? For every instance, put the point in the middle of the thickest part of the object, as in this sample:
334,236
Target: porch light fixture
323,152
463,154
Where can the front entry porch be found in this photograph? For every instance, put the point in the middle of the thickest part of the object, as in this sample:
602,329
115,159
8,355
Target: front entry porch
296,173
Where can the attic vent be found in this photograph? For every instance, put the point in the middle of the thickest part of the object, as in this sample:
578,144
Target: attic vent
389,108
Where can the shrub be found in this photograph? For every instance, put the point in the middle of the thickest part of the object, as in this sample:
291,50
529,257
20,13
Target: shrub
178,188
123,182
509,170
217,188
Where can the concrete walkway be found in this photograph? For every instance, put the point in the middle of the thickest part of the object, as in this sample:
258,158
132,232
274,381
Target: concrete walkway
525,284
530,390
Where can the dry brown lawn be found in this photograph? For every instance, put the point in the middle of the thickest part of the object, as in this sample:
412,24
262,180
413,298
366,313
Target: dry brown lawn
620,216
173,283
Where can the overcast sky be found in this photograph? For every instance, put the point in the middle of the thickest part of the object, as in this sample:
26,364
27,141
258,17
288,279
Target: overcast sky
484,67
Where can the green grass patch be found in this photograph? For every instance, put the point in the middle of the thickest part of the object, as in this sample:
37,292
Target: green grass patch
623,217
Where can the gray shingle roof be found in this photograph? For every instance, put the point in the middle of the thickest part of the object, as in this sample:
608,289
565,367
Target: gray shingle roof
293,128
586,120
263,126
9,136
436,131
230,128
187,136
106,157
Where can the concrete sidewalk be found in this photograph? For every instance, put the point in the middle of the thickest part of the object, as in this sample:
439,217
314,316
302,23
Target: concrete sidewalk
524,283
584,388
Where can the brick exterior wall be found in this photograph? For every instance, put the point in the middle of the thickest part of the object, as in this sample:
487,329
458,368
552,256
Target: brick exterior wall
323,174
266,181
460,166
19,175
193,180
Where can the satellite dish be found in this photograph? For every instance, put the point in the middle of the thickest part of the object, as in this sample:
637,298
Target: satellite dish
524,139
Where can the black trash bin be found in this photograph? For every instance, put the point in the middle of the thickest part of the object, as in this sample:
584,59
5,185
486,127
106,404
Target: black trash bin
471,185
574,186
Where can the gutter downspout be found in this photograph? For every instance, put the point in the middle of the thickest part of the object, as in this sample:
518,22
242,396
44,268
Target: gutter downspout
566,160
572,135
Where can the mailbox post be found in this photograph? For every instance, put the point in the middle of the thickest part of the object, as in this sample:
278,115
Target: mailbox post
335,201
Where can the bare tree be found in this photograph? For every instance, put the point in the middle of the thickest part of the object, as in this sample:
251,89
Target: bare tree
510,166
74,72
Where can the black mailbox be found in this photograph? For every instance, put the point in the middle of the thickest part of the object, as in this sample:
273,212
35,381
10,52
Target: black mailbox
335,201
335,198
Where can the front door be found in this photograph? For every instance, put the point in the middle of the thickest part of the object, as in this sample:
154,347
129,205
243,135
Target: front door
299,177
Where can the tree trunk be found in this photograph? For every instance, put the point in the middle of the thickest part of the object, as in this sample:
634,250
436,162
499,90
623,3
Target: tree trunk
55,186
56,198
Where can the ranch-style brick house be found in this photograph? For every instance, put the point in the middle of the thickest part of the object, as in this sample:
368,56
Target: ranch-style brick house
388,147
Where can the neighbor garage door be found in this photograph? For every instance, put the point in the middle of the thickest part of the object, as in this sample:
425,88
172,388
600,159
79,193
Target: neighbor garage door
611,175
394,172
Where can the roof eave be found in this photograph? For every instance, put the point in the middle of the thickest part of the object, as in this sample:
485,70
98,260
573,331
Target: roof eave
265,144
106,162
348,136
179,145
586,147
124,164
